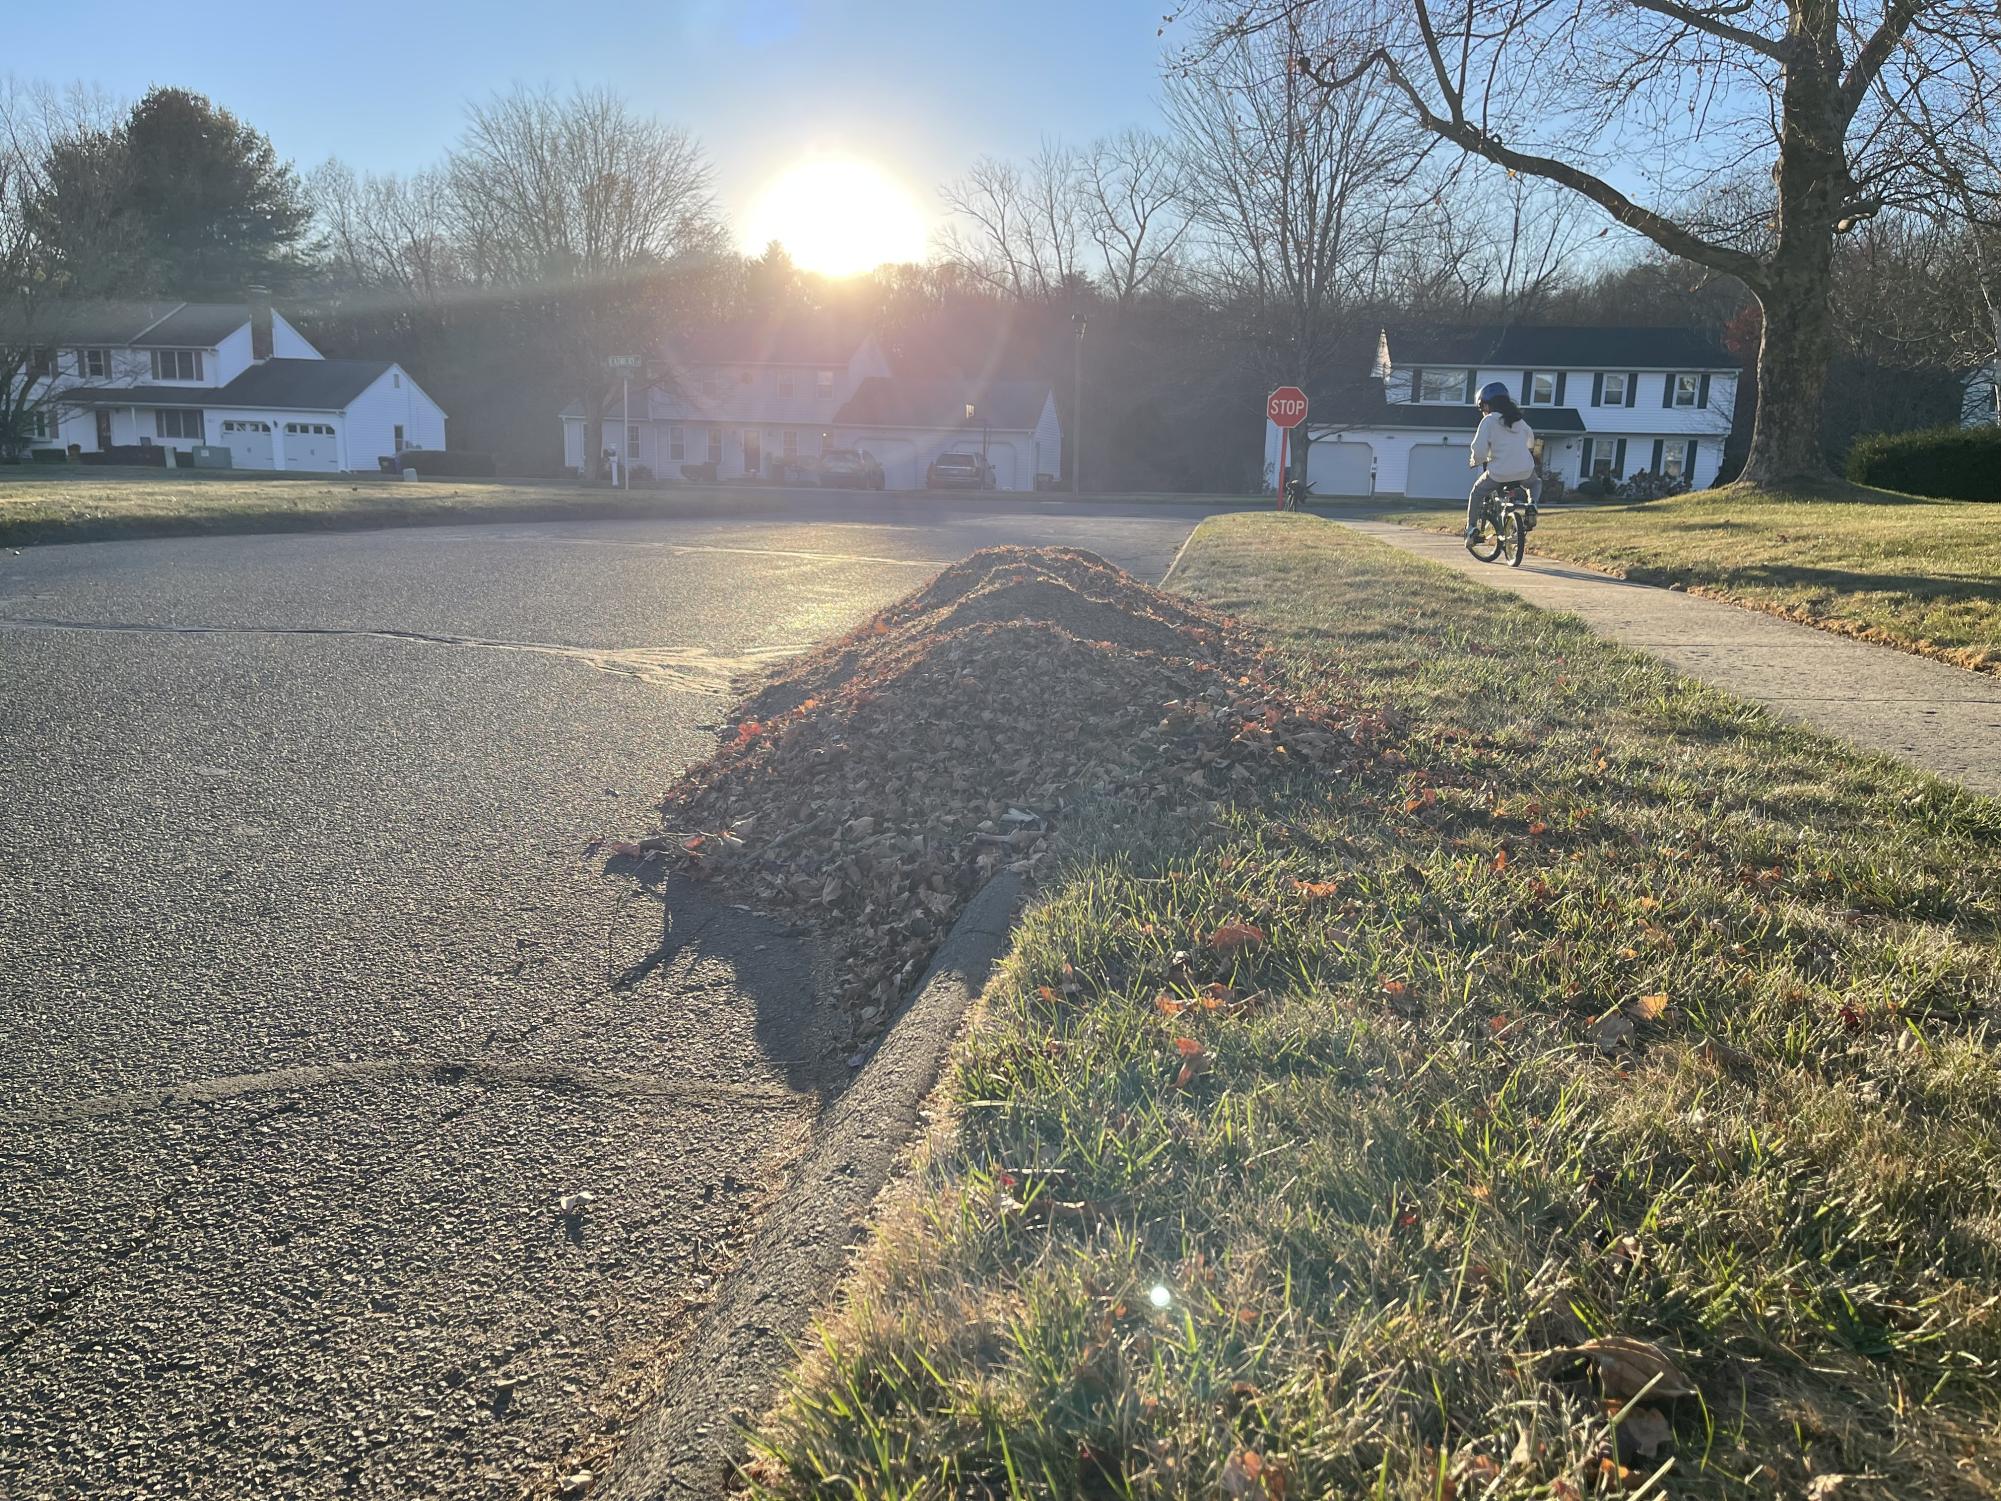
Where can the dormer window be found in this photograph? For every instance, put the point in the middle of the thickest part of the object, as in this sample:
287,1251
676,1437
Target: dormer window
1542,389
823,382
1613,391
1442,385
177,364
93,364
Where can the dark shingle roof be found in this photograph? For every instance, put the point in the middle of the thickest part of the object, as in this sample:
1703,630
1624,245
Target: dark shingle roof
98,322
287,385
1560,347
195,325
1010,405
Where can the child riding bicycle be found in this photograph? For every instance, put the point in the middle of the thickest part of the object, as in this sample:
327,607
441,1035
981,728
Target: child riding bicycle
1504,443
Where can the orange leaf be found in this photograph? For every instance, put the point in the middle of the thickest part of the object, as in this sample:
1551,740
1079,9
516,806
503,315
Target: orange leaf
1046,993
1501,860
1187,1047
1538,827
1169,1005
1316,891
1650,1006
1236,935
1395,988
1215,997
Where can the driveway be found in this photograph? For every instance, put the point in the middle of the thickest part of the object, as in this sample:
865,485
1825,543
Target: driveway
365,1136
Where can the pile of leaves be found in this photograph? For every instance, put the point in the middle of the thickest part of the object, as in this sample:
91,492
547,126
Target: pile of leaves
873,786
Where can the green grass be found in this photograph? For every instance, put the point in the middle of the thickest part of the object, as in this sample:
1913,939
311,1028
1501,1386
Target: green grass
1921,574
53,504
1409,1171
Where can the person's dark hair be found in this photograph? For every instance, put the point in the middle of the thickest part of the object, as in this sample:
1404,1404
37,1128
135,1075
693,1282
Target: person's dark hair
1505,405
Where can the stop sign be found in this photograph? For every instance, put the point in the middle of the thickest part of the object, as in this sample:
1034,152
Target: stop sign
1286,406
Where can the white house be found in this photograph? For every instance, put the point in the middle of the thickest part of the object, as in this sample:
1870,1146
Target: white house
1979,404
1603,402
225,375
756,399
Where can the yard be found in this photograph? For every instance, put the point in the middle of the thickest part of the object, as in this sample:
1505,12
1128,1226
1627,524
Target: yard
1597,1086
1924,575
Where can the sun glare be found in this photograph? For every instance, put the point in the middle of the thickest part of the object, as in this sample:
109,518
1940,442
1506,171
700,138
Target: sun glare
838,216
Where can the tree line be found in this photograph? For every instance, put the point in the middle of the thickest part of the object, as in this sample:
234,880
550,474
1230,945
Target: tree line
1312,177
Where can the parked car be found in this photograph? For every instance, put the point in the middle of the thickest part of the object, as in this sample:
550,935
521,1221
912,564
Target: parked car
848,469
958,471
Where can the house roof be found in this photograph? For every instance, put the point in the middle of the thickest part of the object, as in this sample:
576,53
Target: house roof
881,401
197,325
768,341
1363,406
144,323
284,385
1560,347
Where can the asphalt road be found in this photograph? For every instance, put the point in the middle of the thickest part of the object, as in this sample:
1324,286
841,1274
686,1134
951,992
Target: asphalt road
313,1012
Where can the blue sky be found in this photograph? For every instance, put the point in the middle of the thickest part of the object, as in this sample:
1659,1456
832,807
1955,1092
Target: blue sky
921,88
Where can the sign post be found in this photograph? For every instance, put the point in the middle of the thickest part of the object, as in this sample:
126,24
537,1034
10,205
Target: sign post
625,364
1286,409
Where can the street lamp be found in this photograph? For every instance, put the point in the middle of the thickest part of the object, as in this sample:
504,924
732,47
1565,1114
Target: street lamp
1077,410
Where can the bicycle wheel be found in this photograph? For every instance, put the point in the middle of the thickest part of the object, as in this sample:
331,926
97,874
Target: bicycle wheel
1485,543
1514,538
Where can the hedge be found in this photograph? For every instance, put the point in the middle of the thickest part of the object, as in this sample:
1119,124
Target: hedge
443,463
1946,463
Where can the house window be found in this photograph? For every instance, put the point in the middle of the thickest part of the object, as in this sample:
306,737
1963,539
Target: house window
1687,390
246,425
1613,391
632,438
172,422
785,383
93,364
396,380
823,382
677,445
1542,390
41,362
1601,458
38,423
715,445
1442,385
1674,461
399,437
791,444
304,429
177,364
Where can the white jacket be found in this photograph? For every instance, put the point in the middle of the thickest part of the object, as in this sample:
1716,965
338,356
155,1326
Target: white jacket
1504,450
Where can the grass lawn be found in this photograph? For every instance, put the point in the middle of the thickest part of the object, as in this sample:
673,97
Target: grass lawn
1921,574
60,504
1607,1007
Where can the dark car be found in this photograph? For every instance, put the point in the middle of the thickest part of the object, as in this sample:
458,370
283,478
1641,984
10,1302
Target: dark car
958,471
846,469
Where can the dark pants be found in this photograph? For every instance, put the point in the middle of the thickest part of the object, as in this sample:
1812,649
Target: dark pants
1486,485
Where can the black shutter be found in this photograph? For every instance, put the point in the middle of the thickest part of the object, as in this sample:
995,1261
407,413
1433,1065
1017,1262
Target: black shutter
1559,386
1598,389
1667,389
1584,469
1660,444
1528,381
1632,387
1619,460
1417,383
1702,396
1688,465
1471,376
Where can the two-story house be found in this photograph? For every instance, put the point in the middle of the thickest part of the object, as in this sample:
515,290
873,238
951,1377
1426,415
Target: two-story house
1603,402
763,400
235,376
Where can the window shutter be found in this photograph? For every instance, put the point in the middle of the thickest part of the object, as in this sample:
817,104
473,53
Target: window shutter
1584,469
1702,396
1667,389
1660,445
1688,465
1528,380
1417,383
1598,389
1559,386
1619,460
1471,376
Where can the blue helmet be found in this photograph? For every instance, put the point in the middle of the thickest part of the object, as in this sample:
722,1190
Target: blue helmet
1494,391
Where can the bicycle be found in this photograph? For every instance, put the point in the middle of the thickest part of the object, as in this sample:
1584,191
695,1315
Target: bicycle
1506,518
1294,495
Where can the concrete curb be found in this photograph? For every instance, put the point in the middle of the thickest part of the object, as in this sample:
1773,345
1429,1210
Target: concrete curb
692,1441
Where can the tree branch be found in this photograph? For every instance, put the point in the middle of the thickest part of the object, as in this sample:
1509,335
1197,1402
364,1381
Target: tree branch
1897,21
1712,23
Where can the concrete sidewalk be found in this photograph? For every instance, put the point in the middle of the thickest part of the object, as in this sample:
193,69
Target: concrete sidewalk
1937,718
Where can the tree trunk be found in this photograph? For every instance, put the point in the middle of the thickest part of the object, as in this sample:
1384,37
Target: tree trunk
1793,358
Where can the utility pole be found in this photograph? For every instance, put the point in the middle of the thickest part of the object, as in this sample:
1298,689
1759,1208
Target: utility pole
1077,411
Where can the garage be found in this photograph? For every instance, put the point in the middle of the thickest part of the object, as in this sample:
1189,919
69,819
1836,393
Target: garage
311,445
898,457
1340,468
1438,471
248,441
1001,457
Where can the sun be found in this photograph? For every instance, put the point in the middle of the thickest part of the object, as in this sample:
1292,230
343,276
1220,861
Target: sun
838,216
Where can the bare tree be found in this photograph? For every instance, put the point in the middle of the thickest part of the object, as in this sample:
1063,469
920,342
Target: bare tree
388,232
578,198
1135,208
1668,94
1019,231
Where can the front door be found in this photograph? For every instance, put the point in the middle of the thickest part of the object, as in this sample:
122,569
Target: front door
103,429
753,453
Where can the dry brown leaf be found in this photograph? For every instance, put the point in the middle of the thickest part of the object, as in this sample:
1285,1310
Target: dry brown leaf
1611,1032
1236,935
1626,1366
1645,1428
1650,1007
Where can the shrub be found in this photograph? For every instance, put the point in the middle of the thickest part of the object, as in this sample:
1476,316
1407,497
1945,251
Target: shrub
701,474
447,463
1595,488
1949,463
49,455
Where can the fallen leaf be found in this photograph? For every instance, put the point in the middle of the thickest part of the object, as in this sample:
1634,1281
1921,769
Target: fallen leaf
1611,1032
1236,935
1645,1428
1626,1365
1501,860
1168,1005
1316,891
1395,989
1187,1047
1650,1007
1538,827
1825,1487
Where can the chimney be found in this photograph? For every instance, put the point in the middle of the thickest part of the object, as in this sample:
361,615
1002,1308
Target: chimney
259,299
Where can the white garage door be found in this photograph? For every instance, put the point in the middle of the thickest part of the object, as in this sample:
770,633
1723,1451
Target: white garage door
898,458
248,442
1001,456
1438,471
311,445
1340,468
